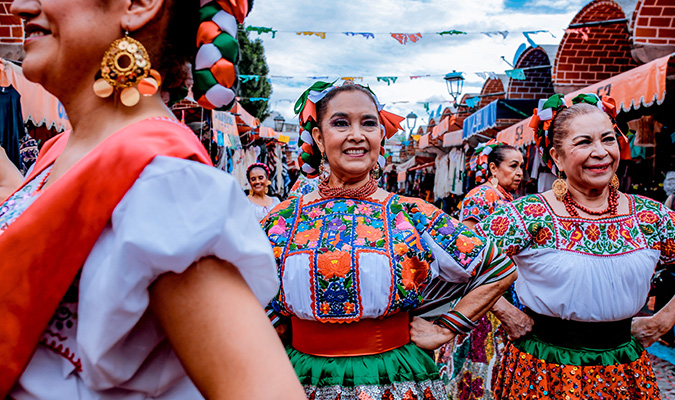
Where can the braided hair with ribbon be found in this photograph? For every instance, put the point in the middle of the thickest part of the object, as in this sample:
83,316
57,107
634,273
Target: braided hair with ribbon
479,160
306,107
214,69
545,119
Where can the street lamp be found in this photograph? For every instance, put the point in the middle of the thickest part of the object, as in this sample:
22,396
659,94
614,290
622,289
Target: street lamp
279,123
411,121
454,82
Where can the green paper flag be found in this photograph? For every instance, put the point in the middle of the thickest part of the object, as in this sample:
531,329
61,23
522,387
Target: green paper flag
451,32
388,79
261,29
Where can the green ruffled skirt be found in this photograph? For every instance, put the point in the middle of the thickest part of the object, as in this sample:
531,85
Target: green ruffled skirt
396,374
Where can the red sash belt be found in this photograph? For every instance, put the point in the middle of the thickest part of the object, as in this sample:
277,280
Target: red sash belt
362,338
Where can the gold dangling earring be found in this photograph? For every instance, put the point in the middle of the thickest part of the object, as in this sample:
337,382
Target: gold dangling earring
126,67
322,166
494,181
559,187
614,182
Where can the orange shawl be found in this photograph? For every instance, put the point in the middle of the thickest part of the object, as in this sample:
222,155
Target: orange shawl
45,247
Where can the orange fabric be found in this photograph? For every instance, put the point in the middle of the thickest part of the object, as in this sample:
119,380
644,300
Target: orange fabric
308,111
521,376
238,8
365,337
642,85
45,247
392,123
224,72
207,32
204,102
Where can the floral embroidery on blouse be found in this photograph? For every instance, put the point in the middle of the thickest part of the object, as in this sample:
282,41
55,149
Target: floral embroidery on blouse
480,202
530,222
333,233
16,204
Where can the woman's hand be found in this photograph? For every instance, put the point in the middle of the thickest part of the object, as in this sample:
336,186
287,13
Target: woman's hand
648,330
515,322
428,336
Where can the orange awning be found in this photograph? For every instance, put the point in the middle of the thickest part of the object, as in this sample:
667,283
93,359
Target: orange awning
37,105
424,141
245,121
453,138
641,86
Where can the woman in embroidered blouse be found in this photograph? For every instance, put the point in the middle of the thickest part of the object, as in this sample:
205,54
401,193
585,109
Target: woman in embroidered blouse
471,361
585,256
127,263
258,177
354,258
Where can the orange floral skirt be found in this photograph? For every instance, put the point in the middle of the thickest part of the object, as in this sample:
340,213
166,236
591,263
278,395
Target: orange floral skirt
522,376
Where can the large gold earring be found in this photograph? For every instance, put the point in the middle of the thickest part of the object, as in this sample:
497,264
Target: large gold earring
559,187
494,181
126,68
614,182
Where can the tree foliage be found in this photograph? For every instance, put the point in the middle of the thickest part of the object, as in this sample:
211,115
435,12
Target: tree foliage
252,61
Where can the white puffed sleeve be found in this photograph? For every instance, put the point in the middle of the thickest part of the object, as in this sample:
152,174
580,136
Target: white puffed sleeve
176,213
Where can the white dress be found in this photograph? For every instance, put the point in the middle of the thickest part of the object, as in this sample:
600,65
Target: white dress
103,343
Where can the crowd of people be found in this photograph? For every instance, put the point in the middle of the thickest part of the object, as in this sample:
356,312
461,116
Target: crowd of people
133,269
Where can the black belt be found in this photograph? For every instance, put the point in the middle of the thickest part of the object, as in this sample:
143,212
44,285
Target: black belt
578,334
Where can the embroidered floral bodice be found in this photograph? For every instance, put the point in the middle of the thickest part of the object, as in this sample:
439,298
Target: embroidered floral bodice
341,260
480,202
579,268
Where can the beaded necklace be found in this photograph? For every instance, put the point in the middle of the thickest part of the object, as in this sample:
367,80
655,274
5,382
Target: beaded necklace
508,196
362,192
612,205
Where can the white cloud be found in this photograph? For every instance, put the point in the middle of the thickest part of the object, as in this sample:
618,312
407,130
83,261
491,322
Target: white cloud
341,55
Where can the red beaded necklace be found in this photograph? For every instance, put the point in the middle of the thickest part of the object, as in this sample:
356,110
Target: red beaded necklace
612,205
508,196
362,192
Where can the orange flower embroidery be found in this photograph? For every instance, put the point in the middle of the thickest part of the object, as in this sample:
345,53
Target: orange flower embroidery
277,251
543,236
491,196
647,217
325,308
368,232
593,232
310,235
534,210
465,244
334,263
612,233
400,248
348,308
413,272
499,226
668,248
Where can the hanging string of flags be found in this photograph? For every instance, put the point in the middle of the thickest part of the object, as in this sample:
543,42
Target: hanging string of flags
403,38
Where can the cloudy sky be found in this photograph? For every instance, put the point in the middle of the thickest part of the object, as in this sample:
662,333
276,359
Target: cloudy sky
339,55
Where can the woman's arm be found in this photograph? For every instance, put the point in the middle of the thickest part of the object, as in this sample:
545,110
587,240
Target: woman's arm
222,335
10,177
648,330
515,322
477,302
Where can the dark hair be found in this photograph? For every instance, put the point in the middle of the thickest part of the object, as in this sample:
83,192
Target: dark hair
559,128
498,155
322,104
259,166
180,42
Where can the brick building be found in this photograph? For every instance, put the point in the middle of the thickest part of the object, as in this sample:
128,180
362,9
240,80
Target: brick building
653,29
606,51
536,63
493,89
11,33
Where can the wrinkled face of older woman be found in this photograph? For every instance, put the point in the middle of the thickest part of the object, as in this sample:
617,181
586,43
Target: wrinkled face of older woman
509,172
350,135
589,154
257,178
